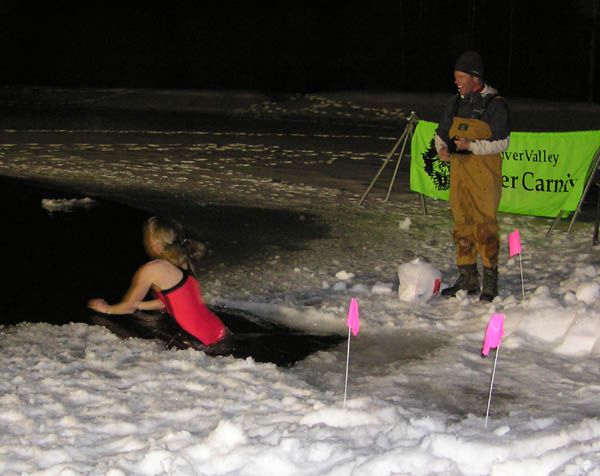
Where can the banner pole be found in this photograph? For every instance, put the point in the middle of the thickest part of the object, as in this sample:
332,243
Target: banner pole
592,173
597,222
555,222
423,204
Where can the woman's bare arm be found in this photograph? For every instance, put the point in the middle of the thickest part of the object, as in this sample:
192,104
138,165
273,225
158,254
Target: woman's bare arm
140,285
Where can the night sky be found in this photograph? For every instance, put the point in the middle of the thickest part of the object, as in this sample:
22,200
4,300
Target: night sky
530,48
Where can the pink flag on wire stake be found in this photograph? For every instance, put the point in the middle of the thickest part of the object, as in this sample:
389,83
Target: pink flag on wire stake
353,321
493,333
353,324
514,243
493,339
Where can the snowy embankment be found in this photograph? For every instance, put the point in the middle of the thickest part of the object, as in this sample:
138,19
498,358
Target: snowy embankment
78,400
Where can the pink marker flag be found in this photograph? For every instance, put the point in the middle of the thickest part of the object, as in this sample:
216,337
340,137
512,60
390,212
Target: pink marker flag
353,321
493,333
514,243
353,324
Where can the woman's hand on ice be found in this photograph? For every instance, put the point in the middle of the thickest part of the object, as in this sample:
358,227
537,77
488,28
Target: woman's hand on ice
99,305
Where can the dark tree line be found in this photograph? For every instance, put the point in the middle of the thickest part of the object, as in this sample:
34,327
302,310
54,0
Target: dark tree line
530,48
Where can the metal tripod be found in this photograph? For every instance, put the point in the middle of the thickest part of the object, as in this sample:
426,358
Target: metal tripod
591,177
411,121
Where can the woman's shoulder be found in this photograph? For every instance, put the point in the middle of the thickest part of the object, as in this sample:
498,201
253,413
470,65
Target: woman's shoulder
157,263
161,273
157,266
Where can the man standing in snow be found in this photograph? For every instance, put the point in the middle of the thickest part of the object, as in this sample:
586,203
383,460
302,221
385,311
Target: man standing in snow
472,133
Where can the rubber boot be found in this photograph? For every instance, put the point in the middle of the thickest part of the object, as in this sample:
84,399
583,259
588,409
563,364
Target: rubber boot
489,289
468,279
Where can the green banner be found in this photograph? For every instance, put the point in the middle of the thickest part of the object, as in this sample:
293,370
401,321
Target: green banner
543,172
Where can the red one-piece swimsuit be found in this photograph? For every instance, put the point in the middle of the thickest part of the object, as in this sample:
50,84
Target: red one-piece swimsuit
184,302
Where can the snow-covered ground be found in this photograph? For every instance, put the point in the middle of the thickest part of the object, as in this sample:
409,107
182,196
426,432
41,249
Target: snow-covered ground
76,399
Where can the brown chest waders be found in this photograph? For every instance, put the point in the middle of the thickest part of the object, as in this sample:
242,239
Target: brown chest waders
475,191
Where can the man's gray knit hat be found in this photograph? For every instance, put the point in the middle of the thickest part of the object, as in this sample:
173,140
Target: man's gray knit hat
470,62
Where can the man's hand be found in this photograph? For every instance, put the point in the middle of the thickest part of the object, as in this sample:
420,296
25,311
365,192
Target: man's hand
462,143
444,155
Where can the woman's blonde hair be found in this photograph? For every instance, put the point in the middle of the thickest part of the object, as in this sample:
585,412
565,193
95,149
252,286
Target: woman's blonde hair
177,249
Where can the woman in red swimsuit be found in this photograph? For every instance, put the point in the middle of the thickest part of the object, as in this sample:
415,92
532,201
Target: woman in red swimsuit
171,276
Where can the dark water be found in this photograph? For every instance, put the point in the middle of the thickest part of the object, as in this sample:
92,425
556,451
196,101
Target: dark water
56,261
